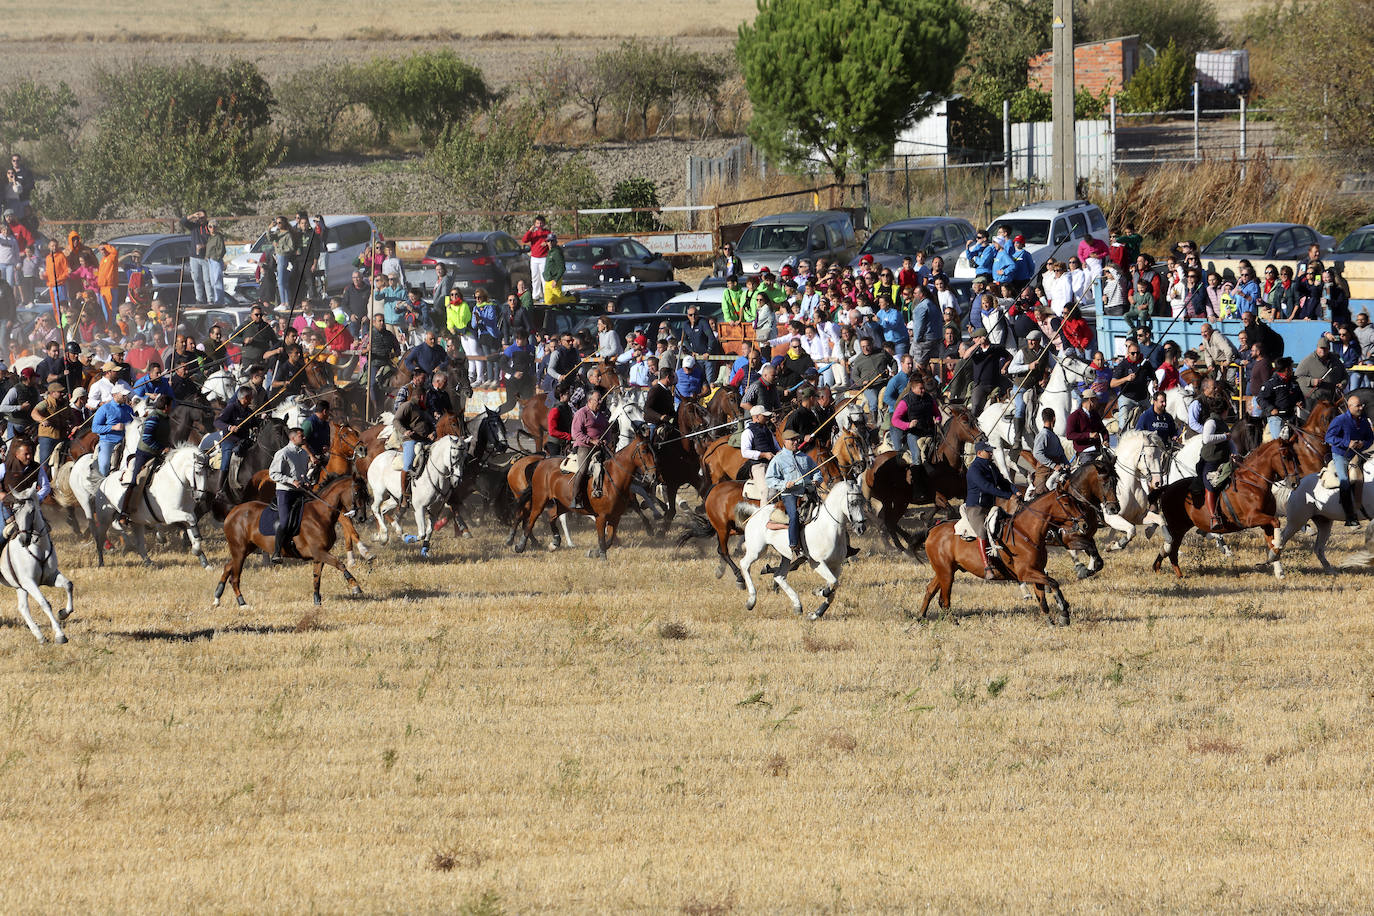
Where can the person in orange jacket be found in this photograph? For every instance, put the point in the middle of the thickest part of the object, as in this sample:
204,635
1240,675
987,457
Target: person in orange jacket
55,271
107,277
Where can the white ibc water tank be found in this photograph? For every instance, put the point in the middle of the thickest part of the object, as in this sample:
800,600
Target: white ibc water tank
1223,71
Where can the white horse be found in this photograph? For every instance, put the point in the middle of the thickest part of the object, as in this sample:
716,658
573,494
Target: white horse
1312,502
997,422
167,501
428,492
1141,466
29,561
1058,394
220,386
827,541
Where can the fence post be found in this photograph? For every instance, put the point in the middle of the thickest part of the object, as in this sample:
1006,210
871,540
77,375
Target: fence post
1197,116
1006,143
1111,132
906,174
944,159
1242,138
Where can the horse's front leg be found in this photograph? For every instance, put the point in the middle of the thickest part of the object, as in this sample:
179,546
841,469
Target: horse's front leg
192,529
1275,550
66,585
827,591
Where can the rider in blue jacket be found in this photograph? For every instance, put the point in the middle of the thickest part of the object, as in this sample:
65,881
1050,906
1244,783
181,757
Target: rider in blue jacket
986,485
1349,436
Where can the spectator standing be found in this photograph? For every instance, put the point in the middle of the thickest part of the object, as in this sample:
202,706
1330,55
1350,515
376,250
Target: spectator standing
215,251
537,238
197,225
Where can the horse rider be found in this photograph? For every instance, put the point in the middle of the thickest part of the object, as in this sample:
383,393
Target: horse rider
758,446
1084,427
1131,379
237,421
1280,397
563,364
289,470
414,427
18,404
804,419
18,471
764,391
1349,435
916,416
519,360
660,409
439,400
54,420
791,476
1157,419
154,440
1033,363
318,435
109,423
1207,388
986,485
589,428
560,420
1216,451
1048,451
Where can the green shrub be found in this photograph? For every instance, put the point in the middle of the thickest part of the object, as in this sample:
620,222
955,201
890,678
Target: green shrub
1192,24
429,91
29,111
1163,85
311,105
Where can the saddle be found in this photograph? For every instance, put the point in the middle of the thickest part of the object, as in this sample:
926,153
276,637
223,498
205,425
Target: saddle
421,454
996,521
736,438
806,511
1222,474
1329,480
594,467
144,475
267,526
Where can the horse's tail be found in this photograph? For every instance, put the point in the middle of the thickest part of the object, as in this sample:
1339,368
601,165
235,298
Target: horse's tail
916,539
698,526
744,511
62,487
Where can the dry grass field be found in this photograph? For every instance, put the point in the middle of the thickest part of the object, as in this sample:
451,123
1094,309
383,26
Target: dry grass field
488,733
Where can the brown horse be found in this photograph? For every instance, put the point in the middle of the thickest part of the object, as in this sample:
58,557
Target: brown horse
722,405
1071,504
534,418
551,488
1246,502
312,543
889,481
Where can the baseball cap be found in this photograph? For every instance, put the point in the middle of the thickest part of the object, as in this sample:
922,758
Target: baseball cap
758,410
1019,238
122,388
866,259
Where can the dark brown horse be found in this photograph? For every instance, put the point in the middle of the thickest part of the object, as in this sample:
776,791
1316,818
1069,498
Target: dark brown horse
722,405
1246,502
534,419
1077,498
319,517
889,482
551,488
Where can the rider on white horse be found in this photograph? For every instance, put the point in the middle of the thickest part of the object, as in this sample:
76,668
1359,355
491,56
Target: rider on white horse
155,438
20,472
793,474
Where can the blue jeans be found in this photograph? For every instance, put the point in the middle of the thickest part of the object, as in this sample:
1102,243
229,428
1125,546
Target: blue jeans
200,277
408,454
794,526
46,444
1276,426
226,451
215,271
912,450
871,398
1018,409
104,455
900,348
283,279
1357,379
1341,464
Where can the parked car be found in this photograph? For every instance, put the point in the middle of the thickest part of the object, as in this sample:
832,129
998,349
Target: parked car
200,320
1357,246
492,261
789,238
611,298
650,324
167,261
596,260
1266,242
348,236
708,302
1052,229
935,235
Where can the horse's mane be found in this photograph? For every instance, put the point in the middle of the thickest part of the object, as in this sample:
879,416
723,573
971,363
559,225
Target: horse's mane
1130,445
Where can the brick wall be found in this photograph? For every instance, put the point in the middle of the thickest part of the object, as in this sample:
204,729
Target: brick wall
1100,65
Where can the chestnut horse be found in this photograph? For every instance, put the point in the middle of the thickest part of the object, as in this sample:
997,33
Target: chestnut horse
319,517
1077,499
551,488
1246,502
534,417
889,482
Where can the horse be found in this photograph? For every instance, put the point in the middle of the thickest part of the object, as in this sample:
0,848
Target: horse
256,455
722,406
430,489
826,537
889,481
1075,499
1142,463
550,487
220,386
312,543
167,500
264,490
534,418
29,561
1247,502
1321,505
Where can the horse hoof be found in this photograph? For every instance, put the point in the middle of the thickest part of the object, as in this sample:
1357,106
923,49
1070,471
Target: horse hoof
216,604
591,551
424,552
749,605
356,591
318,602
466,534
204,563
241,602
1081,571
61,640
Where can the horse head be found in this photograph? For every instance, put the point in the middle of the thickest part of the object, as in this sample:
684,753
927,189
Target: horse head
643,467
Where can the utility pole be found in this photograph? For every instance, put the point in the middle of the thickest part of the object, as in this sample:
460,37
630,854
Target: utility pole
1064,177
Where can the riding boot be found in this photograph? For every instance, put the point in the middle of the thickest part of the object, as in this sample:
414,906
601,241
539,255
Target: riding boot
988,574
1216,523
122,514
579,486
1348,506
918,483
405,491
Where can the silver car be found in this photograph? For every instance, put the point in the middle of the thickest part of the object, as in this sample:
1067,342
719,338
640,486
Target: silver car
348,236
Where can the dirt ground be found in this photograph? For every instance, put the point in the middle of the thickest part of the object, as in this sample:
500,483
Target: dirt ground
488,733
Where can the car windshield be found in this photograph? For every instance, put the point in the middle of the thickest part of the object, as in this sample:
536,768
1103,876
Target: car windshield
127,248
1361,241
896,241
456,249
1036,231
262,244
773,238
1239,243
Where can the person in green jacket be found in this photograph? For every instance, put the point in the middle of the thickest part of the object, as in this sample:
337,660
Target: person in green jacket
457,314
554,267
732,300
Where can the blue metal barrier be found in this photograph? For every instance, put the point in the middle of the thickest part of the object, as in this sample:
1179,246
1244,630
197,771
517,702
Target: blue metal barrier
1299,337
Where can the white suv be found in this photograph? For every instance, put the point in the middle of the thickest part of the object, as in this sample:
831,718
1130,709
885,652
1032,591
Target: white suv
348,236
1052,229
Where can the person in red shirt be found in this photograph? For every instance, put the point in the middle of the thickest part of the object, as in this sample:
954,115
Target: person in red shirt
907,276
336,336
537,237
560,419
140,354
